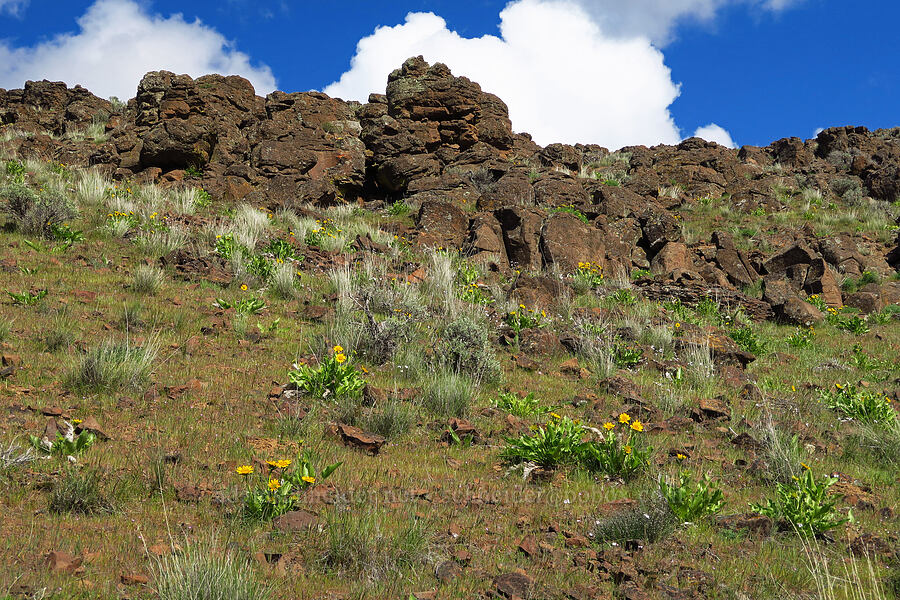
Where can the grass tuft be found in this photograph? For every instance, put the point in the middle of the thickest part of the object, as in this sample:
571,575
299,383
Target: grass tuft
115,366
201,571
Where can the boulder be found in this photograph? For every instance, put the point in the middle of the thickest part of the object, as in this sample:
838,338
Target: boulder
733,262
521,236
441,224
566,241
673,257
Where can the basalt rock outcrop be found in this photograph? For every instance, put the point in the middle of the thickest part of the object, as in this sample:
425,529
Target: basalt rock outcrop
446,148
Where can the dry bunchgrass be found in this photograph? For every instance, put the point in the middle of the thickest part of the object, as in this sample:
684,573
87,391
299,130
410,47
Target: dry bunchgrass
147,279
205,570
115,366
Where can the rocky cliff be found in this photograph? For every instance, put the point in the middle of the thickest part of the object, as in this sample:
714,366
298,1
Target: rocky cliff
443,146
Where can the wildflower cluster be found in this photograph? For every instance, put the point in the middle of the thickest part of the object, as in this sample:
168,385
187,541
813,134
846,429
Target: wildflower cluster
336,377
324,230
525,318
470,288
842,318
817,301
27,298
15,171
588,275
557,443
118,220
748,340
802,338
259,265
620,452
271,494
64,233
861,404
281,250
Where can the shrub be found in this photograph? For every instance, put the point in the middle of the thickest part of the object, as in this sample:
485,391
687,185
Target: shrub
37,213
804,504
448,394
860,404
335,377
558,443
690,503
114,366
200,571
147,279
464,347
376,339
79,491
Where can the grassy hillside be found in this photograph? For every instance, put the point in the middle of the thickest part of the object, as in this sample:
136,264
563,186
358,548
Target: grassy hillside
599,445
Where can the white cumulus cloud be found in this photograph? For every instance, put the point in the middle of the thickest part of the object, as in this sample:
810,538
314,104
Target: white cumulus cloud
657,19
563,78
13,7
117,42
715,133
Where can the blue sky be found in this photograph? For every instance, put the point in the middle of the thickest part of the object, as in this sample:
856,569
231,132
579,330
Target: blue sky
758,69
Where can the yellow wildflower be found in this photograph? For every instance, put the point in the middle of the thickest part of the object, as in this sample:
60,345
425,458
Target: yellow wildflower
308,479
608,426
338,349
627,449
637,426
76,421
244,470
274,484
680,456
244,287
555,416
340,358
624,418
805,466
